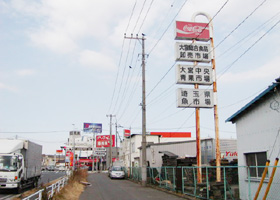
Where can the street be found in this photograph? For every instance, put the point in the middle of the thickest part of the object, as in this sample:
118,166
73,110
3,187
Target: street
103,188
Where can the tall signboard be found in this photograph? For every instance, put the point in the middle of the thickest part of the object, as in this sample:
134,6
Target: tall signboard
93,127
104,141
197,50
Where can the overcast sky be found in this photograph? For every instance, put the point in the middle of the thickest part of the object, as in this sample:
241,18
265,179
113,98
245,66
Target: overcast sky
66,62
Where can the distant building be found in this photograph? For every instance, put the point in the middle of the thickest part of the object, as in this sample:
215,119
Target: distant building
258,139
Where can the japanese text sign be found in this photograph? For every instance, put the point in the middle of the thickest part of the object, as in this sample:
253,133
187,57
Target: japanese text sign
104,141
189,74
192,30
192,52
93,127
195,98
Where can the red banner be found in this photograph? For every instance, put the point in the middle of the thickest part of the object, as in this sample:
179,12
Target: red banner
59,151
104,141
192,30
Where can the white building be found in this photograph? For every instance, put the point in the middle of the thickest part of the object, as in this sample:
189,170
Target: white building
258,139
132,145
184,149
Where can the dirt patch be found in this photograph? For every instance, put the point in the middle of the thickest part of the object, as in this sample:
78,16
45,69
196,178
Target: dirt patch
74,188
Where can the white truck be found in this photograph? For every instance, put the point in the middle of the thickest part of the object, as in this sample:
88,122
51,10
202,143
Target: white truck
20,164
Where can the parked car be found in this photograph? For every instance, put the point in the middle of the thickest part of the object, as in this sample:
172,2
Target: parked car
116,172
51,168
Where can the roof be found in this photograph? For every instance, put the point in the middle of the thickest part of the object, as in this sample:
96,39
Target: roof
254,102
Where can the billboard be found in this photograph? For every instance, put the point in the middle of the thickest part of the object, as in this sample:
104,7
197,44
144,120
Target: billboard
191,52
126,132
192,30
104,141
195,98
93,127
190,74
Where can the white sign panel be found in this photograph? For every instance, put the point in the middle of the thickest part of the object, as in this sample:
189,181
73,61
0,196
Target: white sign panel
193,52
189,74
195,98
99,154
100,149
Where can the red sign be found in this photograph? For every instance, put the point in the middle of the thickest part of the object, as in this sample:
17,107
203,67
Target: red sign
59,151
104,141
173,134
69,157
126,132
192,30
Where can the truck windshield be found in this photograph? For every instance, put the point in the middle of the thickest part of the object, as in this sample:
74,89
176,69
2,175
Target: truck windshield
8,163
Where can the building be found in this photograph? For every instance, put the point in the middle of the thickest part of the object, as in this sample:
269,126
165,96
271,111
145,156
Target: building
184,149
257,129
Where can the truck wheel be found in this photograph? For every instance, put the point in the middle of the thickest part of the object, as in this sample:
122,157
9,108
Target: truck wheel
19,188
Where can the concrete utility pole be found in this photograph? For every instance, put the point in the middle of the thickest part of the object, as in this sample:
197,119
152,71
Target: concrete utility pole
144,154
110,151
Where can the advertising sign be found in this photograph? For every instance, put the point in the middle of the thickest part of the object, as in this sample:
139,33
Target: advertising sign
104,141
126,132
195,98
192,30
59,151
69,158
189,74
93,127
193,52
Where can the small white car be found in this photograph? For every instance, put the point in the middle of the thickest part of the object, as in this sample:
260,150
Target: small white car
116,172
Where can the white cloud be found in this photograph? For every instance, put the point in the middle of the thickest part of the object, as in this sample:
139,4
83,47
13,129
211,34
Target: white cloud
269,71
25,72
96,60
7,87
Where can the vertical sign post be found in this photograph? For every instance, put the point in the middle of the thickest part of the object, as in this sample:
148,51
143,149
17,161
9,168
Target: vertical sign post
196,74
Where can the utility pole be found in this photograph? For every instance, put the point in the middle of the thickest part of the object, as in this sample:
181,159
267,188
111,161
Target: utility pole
110,151
144,154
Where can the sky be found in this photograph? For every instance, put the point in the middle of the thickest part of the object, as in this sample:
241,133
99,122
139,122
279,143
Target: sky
66,62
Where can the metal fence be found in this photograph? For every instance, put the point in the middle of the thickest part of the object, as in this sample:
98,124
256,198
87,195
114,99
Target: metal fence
51,190
237,182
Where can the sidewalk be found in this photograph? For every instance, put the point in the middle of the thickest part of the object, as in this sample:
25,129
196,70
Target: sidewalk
103,188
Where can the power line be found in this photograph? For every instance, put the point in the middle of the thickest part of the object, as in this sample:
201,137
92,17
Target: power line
248,49
115,85
145,16
139,16
240,23
167,27
130,16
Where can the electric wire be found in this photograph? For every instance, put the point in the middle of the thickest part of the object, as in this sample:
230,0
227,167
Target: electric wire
167,28
124,69
126,86
248,49
130,16
139,16
241,23
115,85
145,16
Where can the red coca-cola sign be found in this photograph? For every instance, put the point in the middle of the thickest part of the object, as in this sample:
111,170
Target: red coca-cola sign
192,30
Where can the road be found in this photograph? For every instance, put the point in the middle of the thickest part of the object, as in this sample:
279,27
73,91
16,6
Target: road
47,176
103,188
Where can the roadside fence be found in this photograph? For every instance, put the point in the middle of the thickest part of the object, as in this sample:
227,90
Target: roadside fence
237,182
51,190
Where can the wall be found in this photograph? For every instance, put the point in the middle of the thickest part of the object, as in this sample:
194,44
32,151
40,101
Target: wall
257,132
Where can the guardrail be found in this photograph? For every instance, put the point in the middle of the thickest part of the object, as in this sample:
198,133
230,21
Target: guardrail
51,190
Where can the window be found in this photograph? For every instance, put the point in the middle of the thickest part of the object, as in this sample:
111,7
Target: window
256,159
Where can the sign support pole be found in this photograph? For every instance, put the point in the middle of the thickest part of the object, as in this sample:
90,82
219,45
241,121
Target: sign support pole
216,118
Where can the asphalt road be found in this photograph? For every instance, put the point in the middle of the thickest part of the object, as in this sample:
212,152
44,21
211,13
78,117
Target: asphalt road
103,188
47,176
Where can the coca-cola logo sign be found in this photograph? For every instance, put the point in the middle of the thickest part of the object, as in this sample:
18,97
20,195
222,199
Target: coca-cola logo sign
192,30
